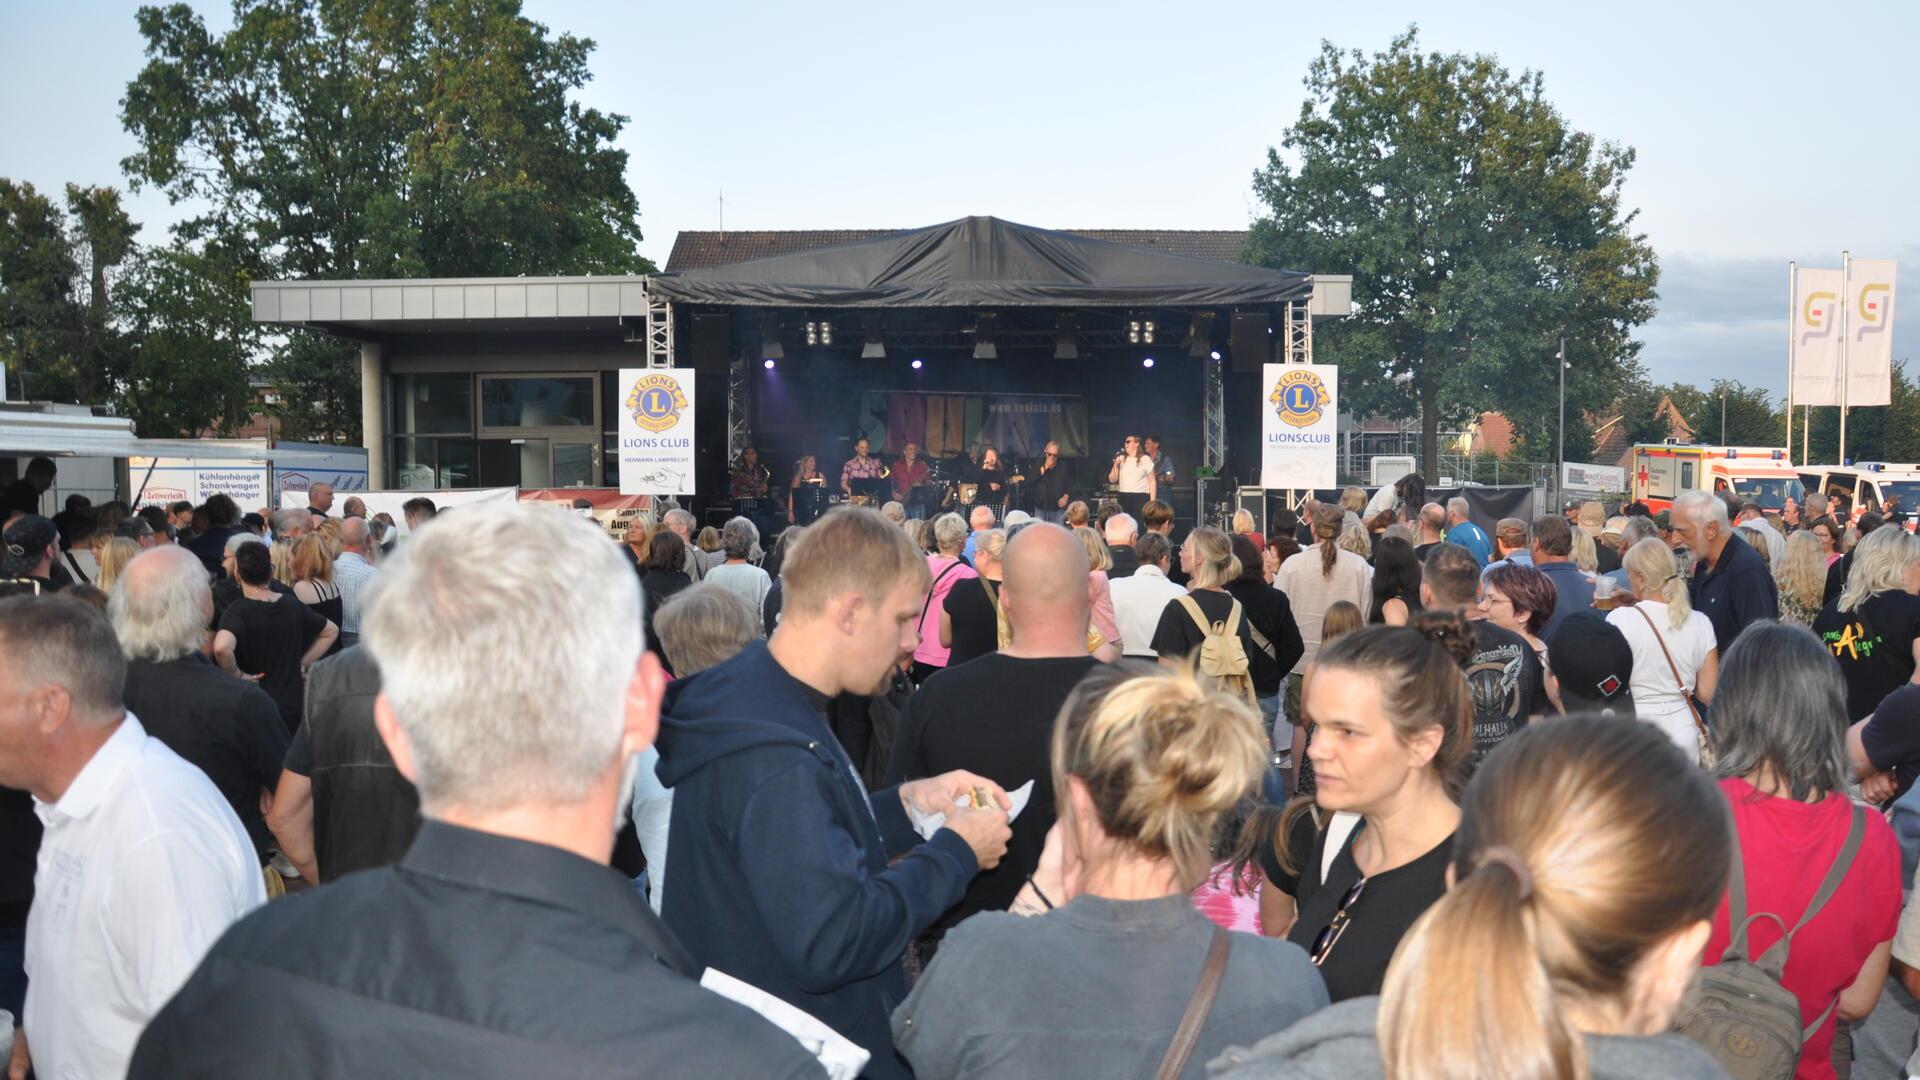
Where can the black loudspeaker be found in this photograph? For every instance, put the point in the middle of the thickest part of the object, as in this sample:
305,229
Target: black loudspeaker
711,342
1251,343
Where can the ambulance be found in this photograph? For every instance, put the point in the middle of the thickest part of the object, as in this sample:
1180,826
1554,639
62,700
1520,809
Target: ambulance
1869,485
1662,472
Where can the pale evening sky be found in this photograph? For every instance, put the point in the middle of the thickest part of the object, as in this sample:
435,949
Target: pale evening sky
1765,131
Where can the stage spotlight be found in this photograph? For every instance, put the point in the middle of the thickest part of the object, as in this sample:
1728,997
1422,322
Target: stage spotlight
1215,354
1148,362
767,363
826,333
918,364
1146,331
1133,332
813,332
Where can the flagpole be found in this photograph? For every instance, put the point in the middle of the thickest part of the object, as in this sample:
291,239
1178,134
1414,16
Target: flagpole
1846,374
1793,313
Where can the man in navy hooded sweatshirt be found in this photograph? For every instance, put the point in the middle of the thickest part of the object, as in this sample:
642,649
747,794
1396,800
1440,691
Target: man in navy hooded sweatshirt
782,865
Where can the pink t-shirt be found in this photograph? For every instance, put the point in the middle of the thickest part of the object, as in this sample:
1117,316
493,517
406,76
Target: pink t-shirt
946,572
1215,899
1787,847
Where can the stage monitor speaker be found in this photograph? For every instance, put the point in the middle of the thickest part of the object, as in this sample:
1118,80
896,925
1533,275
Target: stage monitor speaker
1251,343
711,343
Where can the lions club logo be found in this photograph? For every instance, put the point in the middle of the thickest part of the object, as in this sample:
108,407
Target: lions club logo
656,402
1300,398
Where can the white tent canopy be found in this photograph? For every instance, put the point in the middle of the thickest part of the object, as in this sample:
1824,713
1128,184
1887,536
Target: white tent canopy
79,434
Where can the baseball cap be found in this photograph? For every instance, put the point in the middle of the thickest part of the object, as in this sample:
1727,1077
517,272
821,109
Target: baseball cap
1594,664
26,541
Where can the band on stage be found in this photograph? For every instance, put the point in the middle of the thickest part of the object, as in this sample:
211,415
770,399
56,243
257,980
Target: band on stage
1043,485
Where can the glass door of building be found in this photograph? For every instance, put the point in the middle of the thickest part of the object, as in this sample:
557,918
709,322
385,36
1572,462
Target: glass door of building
535,462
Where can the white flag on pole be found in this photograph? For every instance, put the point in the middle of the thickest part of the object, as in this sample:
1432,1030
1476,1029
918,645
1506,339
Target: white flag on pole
1870,332
1816,338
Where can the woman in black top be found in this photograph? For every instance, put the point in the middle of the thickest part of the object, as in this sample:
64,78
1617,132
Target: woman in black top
1396,583
1276,637
271,637
313,581
1208,560
1394,719
970,615
661,576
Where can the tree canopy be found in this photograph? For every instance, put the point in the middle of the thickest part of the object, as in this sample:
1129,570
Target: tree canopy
371,139
1479,228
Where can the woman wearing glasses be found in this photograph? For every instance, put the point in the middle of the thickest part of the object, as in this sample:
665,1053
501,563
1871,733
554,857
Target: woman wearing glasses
1590,858
1393,722
1146,762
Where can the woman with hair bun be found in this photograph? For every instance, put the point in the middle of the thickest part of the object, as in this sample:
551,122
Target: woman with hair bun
1095,978
1393,724
1590,856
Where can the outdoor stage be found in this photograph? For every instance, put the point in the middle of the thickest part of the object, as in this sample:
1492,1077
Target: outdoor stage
977,329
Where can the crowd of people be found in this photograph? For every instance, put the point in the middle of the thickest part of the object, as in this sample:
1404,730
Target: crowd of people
1376,791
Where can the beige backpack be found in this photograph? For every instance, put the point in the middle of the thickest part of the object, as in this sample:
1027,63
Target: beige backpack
1221,654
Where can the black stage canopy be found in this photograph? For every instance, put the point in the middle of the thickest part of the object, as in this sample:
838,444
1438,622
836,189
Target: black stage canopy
979,262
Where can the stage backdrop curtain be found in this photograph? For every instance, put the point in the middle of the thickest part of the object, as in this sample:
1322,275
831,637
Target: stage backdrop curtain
1019,425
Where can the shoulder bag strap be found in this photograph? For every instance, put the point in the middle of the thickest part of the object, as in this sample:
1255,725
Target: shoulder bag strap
1260,640
1195,1018
928,606
75,565
1686,692
1836,874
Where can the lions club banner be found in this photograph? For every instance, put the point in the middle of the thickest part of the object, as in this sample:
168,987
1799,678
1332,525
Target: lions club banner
1300,403
656,431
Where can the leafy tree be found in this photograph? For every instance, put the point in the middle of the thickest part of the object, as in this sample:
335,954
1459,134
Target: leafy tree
1751,417
39,315
1874,433
189,346
1479,229
58,268
378,139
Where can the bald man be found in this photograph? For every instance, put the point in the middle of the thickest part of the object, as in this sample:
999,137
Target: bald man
1044,595
981,520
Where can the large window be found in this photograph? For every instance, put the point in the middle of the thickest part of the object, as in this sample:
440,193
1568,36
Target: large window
421,464
432,404
536,402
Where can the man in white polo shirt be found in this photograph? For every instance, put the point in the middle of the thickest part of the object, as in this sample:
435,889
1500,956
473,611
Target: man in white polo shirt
1141,597
143,863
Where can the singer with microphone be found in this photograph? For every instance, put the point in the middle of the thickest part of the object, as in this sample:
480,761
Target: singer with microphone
1133,476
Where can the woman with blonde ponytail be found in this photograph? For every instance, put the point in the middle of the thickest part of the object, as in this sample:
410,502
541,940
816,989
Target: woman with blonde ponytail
1590,857
1676,664
1092,970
